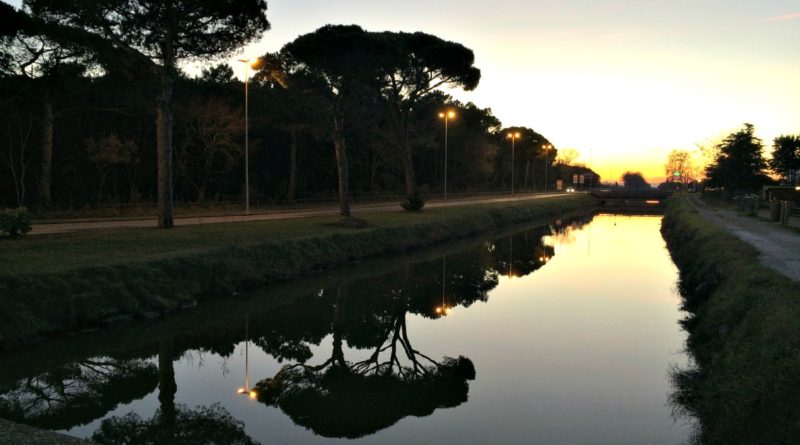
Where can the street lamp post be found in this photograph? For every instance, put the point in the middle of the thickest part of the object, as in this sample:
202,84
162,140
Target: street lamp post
513,137
446,116
246,137
546,148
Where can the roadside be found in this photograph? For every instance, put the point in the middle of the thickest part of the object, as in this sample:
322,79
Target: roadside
44,228
64,282
778,248
742,318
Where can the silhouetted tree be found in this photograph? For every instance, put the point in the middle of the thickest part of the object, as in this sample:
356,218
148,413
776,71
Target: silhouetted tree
635,181
412,66
739,164
786,157
335,60
680,162
158,34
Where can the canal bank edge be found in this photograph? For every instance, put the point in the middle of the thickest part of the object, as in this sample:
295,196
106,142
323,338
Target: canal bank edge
35,305
12,433
744,335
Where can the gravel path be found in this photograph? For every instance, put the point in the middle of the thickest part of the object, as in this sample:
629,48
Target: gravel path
779,248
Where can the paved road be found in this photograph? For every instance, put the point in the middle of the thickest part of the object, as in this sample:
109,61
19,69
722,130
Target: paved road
75,226
779,248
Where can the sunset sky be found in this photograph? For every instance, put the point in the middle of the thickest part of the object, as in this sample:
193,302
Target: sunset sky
621,81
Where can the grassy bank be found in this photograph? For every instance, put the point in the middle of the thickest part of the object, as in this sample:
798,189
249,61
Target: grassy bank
744,334
61,282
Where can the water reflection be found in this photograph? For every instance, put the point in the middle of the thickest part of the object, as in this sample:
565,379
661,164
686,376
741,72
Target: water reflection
340,398
372,376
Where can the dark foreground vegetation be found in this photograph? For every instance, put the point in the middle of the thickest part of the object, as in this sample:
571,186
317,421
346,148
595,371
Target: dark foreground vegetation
57,283
744,335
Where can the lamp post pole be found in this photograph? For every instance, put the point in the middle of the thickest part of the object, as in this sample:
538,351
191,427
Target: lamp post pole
546,148
246,137
513,137
446,116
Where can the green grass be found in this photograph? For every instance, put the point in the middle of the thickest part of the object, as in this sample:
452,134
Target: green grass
744,334
60,282
46,254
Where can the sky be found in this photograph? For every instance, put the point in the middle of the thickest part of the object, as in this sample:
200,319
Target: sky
622,81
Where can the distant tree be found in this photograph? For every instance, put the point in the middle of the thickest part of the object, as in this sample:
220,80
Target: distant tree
221,73
292,109
739,164
159,34
635,181
566,156
334,60
109,152
210,142
786,157
679,167
528,149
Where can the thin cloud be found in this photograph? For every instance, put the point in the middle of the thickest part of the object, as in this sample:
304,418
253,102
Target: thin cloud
782,18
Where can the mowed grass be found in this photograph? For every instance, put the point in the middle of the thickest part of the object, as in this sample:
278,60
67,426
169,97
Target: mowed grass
46,254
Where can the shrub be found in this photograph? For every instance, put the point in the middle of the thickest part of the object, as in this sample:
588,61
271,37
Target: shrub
414,203
15,222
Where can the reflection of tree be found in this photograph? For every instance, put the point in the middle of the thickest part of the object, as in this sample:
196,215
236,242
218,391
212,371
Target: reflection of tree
203,425
78,393
342,399
173,424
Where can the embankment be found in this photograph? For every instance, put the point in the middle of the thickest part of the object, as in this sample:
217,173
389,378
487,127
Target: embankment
744,334
43,301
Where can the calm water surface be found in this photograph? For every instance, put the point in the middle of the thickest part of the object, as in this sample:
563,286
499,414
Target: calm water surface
554,335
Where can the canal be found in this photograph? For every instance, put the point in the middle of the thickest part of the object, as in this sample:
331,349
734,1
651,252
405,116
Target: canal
551,335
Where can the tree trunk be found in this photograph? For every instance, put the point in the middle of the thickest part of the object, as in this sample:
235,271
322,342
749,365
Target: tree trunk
411,183
341,157
164,148
292,166
527,172
47,154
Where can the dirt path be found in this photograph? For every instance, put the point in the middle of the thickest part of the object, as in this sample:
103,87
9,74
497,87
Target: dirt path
75,226
779,248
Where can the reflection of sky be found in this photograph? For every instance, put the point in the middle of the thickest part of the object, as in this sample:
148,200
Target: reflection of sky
627,79
577,352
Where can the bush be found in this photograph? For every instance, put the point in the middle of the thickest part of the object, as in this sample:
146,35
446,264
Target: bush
15,222
414,203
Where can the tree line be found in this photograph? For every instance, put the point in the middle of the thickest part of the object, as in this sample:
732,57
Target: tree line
738,163
97,110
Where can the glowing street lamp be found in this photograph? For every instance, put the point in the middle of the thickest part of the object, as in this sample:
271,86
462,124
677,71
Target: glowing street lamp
247,64
513,137
546,148
447,116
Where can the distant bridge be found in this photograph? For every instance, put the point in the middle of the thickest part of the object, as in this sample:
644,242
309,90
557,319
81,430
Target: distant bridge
626,199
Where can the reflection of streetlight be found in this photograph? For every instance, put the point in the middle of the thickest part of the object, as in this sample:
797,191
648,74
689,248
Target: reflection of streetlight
247,64
446,116
511,257
546,148
513,137
443,309
246,389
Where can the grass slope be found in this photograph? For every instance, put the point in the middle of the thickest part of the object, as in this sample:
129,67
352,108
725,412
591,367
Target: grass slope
60,282
744,334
